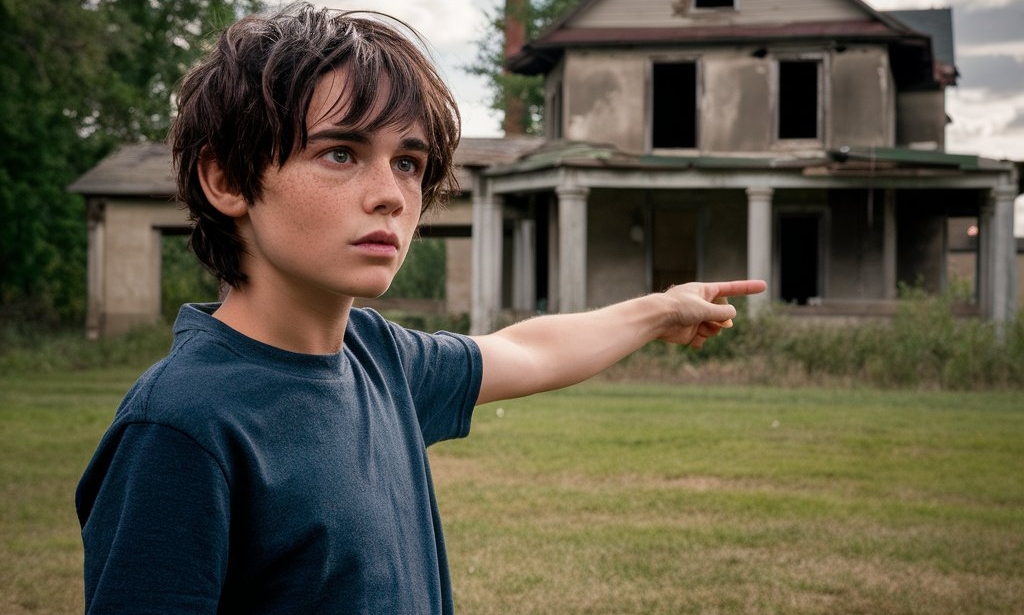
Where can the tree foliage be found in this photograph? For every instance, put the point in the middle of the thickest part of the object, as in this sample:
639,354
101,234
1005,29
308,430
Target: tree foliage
79,77
536,15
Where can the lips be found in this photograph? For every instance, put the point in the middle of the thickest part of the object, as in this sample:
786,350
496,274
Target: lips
378,242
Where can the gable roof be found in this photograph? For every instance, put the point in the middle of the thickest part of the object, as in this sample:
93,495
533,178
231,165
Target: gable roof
938,25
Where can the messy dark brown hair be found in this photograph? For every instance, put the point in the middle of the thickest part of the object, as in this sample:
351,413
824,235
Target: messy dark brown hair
245,106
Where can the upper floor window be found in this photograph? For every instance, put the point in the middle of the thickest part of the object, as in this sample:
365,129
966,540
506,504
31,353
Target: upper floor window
714,4
799,99
674,105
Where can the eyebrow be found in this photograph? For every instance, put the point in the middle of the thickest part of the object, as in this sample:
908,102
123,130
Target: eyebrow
358,136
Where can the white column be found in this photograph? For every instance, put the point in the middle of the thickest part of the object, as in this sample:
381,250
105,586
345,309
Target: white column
1000,254
95,278
486,267
889,245
524,279
572,248
759,244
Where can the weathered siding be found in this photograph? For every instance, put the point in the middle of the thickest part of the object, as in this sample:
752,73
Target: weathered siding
737,107
921,119
861,111
605,95
660,13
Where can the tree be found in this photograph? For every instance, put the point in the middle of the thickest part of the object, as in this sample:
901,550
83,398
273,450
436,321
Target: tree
78,78
527,91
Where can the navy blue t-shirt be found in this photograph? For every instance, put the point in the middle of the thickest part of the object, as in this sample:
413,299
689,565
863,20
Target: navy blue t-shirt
240,478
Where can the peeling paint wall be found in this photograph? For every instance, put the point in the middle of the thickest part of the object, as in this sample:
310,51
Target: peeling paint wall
737,109
921,120
607,99
862,101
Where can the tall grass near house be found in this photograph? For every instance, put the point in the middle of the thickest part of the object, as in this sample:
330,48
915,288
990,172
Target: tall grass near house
924,346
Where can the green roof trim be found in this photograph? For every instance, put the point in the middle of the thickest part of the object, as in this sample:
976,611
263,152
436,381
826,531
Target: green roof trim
964,162
555,154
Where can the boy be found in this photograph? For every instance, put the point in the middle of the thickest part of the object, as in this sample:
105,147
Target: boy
274,461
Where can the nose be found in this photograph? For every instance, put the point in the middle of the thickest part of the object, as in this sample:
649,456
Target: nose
383,194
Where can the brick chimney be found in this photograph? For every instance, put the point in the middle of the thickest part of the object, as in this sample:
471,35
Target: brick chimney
515,38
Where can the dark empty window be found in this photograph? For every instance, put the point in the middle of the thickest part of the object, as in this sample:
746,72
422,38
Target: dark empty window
713,4
798,100
675,105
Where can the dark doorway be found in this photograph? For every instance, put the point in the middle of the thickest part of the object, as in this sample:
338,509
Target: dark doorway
674,246
799,248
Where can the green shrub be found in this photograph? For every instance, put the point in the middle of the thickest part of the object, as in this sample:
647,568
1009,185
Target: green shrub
924,345
47,351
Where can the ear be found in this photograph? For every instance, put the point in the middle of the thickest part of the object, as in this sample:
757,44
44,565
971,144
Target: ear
221,195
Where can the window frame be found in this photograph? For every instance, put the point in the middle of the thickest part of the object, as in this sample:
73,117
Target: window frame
822,111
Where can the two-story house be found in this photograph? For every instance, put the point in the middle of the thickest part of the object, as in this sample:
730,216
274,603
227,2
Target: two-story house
797,141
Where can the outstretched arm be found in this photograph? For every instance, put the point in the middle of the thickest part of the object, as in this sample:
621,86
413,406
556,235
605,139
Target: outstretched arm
551,352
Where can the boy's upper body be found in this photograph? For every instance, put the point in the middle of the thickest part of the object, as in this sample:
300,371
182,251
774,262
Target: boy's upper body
275,460
241,478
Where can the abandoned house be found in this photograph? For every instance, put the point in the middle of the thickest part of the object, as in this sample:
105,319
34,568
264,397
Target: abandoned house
797,141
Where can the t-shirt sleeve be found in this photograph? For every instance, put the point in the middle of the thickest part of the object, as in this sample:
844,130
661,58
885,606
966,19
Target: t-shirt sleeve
444,371
155,515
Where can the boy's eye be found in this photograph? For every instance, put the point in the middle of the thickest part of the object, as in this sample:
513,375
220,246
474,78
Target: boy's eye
339,156
406,166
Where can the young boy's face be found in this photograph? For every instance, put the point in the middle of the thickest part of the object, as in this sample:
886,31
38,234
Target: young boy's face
338,217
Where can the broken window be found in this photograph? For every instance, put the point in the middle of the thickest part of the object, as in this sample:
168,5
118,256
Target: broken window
674,98
798,99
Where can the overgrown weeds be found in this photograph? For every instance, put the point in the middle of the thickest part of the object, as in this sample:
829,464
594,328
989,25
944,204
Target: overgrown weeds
43,351
924,346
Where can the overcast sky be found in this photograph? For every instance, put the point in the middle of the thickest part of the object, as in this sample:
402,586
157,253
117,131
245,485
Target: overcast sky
987,107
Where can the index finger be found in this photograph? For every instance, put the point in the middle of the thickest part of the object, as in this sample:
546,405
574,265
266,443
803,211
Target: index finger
739,287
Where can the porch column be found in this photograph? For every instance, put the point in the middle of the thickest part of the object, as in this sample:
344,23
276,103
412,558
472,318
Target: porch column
999,253
572,248
889,245
95,264
524,291
759,244
487,249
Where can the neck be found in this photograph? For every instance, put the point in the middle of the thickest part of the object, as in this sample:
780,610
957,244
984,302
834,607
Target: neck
303,327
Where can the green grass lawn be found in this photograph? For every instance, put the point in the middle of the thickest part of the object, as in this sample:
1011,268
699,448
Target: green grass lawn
611,498
619,499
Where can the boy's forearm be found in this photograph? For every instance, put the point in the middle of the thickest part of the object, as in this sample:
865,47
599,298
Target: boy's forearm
554,351
550,352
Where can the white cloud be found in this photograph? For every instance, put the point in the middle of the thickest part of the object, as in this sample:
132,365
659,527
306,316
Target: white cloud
451,29
442,23
983,124
1013,48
